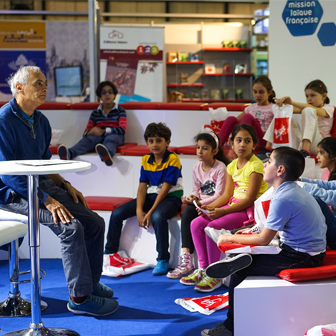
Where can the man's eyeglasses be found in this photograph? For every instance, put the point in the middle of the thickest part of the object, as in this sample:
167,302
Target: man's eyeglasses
106,92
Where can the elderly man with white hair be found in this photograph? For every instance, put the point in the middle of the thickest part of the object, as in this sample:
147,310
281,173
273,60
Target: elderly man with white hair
25,134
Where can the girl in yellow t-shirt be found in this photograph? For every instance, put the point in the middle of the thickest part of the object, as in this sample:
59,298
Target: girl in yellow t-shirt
233,209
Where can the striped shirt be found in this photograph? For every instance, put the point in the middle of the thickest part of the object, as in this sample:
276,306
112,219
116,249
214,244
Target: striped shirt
114,122
168,170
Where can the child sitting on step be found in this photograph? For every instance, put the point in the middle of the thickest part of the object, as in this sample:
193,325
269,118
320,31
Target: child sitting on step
208,177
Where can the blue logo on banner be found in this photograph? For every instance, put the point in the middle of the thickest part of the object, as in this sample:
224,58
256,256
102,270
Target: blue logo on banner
327,34
302,17
13,60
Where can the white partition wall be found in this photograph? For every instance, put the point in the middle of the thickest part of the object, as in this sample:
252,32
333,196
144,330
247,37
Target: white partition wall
294,61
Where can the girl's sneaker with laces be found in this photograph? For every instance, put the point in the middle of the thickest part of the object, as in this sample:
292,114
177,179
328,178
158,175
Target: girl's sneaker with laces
208,285
184,268
194,278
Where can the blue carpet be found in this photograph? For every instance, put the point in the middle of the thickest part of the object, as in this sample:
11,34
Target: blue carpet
146,305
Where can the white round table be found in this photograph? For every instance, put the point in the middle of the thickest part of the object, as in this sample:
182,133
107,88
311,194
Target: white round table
34,168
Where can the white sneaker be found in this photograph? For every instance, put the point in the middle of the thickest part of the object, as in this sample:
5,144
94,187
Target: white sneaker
214,233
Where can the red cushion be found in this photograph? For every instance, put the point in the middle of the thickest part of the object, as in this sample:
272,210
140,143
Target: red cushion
229,106
186,150
125,145
230,246
2,103
54,106
181,106
106,203
140,106
84,106
333,129
326,270
140,150
53,148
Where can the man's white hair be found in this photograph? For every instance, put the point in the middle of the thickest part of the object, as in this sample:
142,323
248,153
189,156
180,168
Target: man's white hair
21,76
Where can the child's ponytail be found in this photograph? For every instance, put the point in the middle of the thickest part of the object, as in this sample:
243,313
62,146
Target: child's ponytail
271,97
212,140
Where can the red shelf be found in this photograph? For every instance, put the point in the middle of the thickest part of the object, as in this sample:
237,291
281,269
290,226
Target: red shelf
189,62
227,49
228,74
186,84
217,100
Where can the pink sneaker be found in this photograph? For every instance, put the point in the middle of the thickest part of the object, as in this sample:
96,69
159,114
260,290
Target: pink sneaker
184,268
194,278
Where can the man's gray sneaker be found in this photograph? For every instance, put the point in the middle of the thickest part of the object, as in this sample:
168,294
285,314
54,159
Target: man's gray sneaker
94,305
102,290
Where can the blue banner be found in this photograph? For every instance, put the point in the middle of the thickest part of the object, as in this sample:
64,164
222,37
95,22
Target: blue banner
13,60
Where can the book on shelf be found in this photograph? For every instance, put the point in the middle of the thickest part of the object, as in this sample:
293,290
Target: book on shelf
182,56
193,57
195,94
227,68
172,56
210,68
240,68
205,94
214,94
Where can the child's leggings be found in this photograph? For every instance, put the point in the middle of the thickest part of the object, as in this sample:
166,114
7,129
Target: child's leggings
231,122
207,250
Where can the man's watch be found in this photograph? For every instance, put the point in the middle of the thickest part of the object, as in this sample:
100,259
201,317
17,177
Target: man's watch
64,183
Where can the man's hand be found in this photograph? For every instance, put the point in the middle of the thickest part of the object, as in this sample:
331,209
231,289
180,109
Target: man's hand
97,131
75,194
59,212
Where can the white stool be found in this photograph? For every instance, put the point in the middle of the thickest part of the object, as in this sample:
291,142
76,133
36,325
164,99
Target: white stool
14,305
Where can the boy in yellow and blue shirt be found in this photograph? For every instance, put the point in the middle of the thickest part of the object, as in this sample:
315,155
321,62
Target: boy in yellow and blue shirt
158,198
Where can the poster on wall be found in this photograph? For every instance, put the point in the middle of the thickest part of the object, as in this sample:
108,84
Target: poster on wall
67,49
21,44
132,58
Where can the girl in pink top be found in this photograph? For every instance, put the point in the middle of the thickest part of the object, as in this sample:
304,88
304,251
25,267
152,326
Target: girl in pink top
258,115
208,176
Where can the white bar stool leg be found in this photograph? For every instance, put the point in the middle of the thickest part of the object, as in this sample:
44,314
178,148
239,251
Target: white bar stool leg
36,327
15,305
